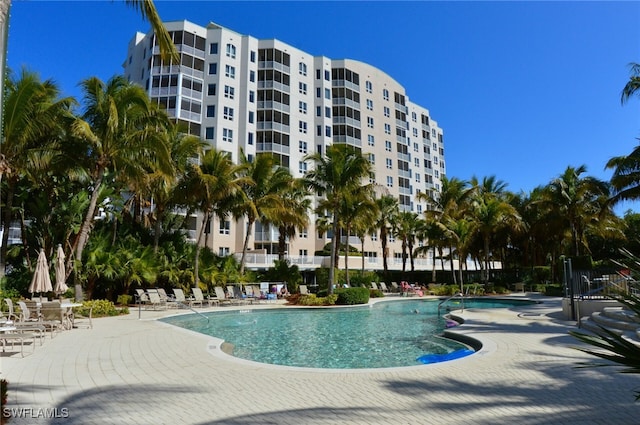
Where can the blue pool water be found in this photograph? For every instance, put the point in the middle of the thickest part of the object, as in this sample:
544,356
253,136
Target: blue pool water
386,334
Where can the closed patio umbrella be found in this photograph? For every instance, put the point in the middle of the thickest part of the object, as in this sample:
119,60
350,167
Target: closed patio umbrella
61,286
41,281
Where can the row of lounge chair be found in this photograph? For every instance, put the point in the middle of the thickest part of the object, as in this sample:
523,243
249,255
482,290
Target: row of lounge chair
158,298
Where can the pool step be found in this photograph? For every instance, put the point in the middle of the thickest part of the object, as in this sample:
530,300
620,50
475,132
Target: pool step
618,320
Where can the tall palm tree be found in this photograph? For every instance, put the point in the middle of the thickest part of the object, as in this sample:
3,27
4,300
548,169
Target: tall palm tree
208,186
123,133
295,216
405,228
625,180
261,200
633,85
387,213
161,185
147,10
337,174
33,127
574,197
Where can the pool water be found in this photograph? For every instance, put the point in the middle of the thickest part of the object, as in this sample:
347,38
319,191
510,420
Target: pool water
385,334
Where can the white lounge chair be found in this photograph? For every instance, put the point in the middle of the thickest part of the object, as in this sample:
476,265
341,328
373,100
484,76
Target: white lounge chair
303,290
198,297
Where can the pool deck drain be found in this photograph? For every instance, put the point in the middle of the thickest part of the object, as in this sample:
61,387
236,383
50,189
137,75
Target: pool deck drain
130,371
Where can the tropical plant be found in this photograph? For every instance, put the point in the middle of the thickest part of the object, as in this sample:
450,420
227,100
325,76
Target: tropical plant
336,175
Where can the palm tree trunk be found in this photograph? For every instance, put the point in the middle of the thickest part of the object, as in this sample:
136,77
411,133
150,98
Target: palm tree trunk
334,242
7,224
362,251
246,245
196,277
83,236
486,258
157,228
433,266
282,230
346,257
383,241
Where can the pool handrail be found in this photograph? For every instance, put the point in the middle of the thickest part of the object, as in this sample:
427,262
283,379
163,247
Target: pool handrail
443,302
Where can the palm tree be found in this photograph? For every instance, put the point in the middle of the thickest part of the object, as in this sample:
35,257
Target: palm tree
387,213
161,185
574,197
261,200
208,187
295,216
337,174
124,136
625,180
33,127
147,10
405,228
633,85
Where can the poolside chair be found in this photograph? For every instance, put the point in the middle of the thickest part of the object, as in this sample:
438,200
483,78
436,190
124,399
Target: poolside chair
383,287
141,296
170,301
374,286
198,297
221,296
27,314
181,300
395,286
154,299
21,327
53,316
251,295
11,315
303,290
235,295
80,320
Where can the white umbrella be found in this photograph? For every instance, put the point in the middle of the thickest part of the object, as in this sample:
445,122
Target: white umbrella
61,286
41,281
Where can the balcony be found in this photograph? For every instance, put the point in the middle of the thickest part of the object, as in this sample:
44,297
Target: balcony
274,65
276,106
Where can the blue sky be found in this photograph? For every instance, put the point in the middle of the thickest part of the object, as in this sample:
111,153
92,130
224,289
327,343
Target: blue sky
521,89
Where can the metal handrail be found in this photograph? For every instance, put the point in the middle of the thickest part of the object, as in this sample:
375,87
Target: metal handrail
191,308
443,302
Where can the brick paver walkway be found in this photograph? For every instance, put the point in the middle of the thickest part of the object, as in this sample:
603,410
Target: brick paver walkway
131,371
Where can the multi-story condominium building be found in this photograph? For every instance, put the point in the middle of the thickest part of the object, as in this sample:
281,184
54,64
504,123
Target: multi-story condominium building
241,94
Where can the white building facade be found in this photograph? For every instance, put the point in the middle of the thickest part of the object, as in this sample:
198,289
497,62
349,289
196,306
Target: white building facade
241,94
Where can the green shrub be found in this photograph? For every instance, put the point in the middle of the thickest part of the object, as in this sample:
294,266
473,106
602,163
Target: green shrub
351,296
101,308
375,293
124,299
553,290
312,300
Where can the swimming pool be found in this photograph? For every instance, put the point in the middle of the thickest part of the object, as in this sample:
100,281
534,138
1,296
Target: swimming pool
385,334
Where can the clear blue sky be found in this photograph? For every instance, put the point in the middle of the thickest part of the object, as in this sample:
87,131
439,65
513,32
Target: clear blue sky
521,89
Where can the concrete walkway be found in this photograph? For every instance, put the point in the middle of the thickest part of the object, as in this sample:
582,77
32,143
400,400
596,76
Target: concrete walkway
131,371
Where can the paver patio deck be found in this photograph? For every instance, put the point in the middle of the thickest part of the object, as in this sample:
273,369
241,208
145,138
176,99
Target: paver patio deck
131,371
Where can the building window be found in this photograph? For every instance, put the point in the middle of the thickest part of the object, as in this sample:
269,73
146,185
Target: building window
385,94
387,128
416,161
389,163
302,67
230,71
370,122
302,126
318,92
327,75
387,145
318,72
368,86
251,117
231,51
371,140
417,178
228,113
211,111
414,117
372,158
227,135
250,138
415,132
223,251
327,130
252,76
327,112
213,68
318,130
327,94
387,112
302,167
303,234
253,56
252,96
370,104
302,147
303,252
415,147
302,88
211,89
209,133
213,48
302,107
229,92
225,227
